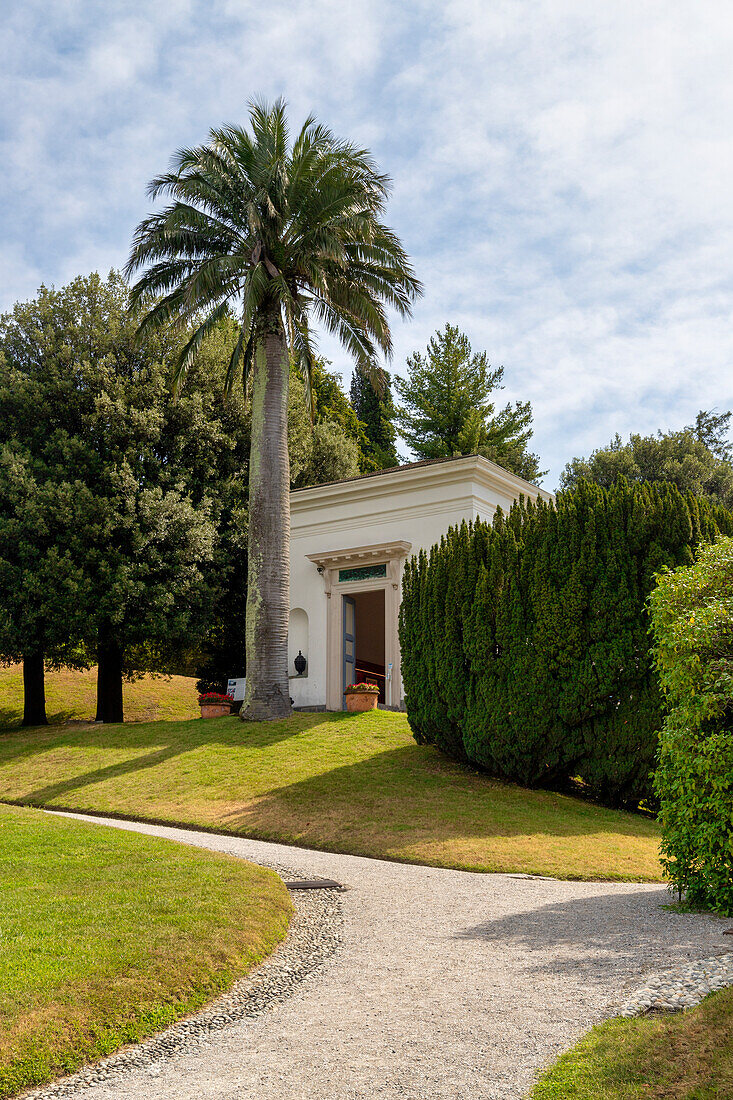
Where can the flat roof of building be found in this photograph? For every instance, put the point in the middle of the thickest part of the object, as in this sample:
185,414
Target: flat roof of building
417,465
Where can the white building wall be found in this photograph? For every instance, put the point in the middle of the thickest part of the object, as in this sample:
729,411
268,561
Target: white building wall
415,504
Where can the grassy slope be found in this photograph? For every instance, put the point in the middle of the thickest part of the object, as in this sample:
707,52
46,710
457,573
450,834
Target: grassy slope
72,696
351,783
682,1057
104,941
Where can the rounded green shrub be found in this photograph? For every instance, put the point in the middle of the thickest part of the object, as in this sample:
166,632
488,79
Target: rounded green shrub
692,622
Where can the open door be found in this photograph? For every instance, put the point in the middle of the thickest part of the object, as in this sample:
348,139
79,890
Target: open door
349,648
370,644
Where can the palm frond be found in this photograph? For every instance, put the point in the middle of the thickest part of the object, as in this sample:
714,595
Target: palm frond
245,343
349,331
254,219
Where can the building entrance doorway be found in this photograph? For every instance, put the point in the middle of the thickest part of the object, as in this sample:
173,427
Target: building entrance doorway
364,640
362,588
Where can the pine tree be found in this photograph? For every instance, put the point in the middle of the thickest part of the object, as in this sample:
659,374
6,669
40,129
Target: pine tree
448,407
375,409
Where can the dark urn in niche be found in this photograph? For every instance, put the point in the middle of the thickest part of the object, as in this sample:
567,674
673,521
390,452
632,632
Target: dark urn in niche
300,663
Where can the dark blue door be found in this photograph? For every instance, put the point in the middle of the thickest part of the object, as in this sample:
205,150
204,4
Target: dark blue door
349,643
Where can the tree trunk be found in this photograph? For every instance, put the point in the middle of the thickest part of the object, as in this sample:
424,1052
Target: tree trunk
34,690
268,588
109,676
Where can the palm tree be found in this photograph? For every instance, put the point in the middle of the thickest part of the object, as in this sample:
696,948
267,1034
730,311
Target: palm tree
286,234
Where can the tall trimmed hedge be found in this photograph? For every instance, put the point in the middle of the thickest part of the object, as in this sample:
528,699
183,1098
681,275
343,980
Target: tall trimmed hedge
692,619
525,643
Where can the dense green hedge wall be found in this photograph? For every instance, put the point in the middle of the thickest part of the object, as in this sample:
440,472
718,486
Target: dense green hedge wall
525,643
692,620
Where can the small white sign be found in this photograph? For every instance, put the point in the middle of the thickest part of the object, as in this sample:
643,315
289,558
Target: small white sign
235,688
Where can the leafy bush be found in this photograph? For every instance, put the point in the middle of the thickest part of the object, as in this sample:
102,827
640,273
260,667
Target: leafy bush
692,622
525,643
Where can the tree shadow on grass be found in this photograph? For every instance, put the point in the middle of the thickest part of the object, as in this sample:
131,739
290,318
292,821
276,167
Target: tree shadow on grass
11,721
178,738
615,926
192,732
45,795
18,742
399,796
401,791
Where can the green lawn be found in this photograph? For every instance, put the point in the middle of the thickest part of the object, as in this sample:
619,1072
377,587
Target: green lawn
688,1056
71,696
349,783
107,936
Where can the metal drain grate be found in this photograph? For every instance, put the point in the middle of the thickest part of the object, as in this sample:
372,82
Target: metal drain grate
314,884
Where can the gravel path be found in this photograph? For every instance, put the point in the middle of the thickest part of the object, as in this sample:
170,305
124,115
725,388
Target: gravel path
446,985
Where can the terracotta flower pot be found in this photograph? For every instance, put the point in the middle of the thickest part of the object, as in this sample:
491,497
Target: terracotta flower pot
357,701
215,710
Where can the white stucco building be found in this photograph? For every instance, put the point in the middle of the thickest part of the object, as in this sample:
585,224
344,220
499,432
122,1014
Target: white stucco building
349,543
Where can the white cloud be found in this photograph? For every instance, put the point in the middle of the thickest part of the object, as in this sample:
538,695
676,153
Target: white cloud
562,170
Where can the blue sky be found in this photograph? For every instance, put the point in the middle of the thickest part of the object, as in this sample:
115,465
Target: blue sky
562,170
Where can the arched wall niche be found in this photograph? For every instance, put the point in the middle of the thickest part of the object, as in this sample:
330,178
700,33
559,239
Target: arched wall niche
297,638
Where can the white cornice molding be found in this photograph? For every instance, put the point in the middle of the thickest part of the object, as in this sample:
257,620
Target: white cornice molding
475,468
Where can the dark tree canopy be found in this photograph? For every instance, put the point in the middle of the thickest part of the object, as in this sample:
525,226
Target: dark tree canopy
375,408
448,407
696,459
327,449
331,402
42,590
109,481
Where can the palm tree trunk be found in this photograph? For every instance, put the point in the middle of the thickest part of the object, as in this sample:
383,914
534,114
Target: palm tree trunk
34,690
267,693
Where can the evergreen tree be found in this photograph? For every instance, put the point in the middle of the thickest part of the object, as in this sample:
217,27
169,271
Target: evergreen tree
713,431
107,479
123,513
525,644
42,591
332,404
696,459
375,409
328,449
448,408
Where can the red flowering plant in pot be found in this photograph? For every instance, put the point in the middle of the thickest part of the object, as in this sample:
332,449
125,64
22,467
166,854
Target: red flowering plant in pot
361,697
213,704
